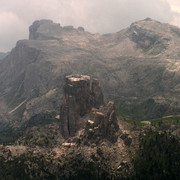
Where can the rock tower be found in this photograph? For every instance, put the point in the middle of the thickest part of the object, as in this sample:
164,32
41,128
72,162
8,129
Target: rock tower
79,96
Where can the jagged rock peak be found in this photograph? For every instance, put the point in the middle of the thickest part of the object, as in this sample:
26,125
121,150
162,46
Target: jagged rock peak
79,96
81,28
83,107
149,24
151,36
46,29
148,19
42,29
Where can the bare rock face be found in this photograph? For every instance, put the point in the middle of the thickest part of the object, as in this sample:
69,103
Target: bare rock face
44,30
48,30
79,96
97,95
103,124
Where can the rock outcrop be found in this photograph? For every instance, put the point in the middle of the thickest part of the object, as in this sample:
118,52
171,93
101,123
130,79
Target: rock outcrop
83,107
48,30
79,96
137,70
103,124
44,30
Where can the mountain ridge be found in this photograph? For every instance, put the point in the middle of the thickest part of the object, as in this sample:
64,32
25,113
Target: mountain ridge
138,68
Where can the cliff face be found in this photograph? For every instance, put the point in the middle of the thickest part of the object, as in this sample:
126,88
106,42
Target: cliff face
102,124
43,30
79,96
83,107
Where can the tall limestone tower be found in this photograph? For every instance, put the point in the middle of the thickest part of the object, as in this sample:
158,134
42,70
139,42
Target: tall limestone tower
79,96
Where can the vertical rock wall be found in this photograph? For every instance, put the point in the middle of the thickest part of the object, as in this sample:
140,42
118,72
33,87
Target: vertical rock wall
79,96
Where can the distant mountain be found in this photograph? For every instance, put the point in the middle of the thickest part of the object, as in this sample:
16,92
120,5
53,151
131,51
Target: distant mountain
138,67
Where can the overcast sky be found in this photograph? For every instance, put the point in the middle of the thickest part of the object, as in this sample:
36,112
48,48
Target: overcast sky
102,16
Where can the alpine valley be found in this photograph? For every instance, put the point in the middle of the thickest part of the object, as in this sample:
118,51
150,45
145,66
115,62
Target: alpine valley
57,118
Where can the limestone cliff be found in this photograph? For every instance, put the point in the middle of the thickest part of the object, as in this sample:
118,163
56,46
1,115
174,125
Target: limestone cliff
103,124
83,107
79,96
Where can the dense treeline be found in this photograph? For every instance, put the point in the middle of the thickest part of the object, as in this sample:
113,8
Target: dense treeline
158,157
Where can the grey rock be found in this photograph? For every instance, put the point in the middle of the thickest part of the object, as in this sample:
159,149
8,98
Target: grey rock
78,99
44,30
81,29
82,98
68,28
105,125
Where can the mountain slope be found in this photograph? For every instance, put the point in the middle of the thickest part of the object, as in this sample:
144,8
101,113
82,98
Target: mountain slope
3,54
138,68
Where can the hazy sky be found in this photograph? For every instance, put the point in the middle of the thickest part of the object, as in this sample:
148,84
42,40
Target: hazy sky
100,16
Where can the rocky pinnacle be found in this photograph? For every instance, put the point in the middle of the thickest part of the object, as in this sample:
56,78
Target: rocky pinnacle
79,96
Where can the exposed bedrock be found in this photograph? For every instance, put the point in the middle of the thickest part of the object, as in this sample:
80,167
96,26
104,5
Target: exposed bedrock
83,106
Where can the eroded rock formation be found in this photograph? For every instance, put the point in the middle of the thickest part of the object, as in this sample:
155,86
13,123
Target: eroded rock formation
44,30
103,123
83,107
79,96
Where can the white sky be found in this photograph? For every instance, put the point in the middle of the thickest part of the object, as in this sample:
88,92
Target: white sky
102,16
